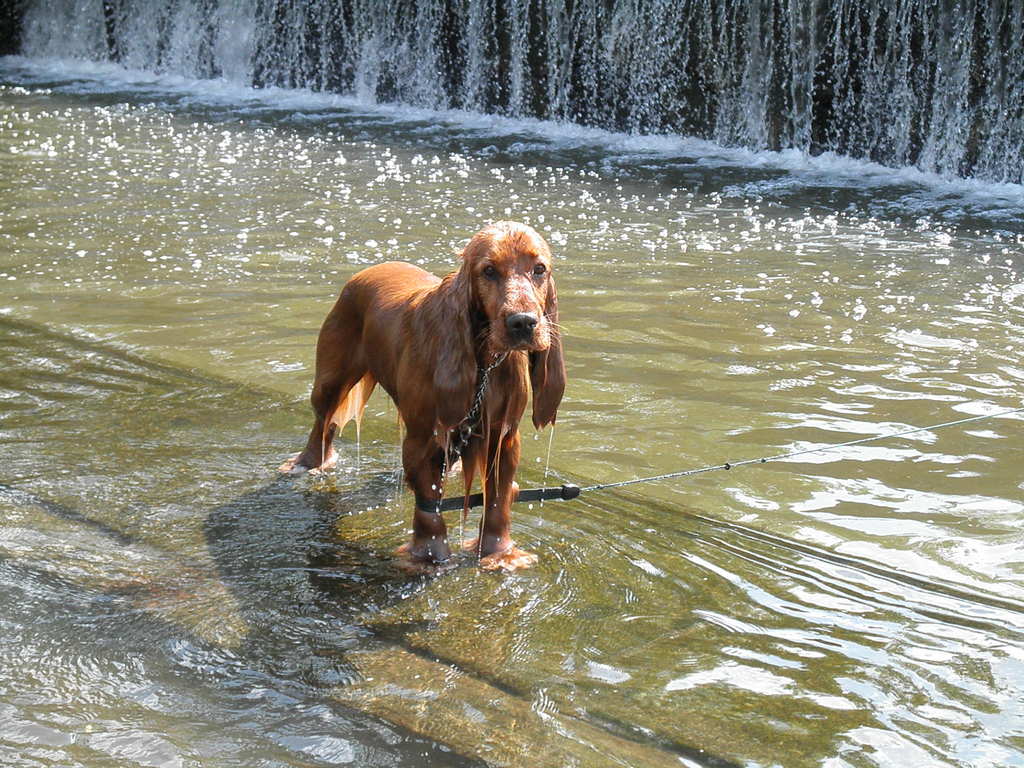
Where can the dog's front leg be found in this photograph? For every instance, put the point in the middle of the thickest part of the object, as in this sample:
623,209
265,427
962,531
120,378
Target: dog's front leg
422,460
494,545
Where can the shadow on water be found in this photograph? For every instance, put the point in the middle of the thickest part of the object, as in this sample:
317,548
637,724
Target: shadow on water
301,589
301,592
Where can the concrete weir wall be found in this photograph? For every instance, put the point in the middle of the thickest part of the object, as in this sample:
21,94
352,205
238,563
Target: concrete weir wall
911,82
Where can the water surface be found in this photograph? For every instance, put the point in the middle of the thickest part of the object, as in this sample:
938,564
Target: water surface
167,253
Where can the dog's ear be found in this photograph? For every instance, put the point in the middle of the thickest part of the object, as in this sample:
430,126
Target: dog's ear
455,362
547,368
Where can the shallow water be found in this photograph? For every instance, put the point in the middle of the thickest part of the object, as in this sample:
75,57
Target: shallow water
167,252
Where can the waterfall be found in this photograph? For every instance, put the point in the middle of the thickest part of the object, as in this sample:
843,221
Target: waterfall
938,84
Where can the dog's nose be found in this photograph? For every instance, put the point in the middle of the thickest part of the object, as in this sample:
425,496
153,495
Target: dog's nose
521,324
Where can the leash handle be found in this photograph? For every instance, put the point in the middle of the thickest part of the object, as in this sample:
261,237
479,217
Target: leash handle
563,493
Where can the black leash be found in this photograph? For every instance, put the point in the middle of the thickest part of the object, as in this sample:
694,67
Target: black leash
563,493
570,491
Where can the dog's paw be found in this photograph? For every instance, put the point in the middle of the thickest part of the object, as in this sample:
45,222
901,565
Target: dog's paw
425,558
512,559
291,466
411,567
299,464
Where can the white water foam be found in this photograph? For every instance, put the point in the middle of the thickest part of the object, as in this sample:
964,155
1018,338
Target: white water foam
908,191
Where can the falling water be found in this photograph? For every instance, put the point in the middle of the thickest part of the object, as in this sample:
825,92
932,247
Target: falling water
908,82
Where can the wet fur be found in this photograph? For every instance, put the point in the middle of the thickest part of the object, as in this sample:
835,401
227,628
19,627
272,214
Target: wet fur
423,339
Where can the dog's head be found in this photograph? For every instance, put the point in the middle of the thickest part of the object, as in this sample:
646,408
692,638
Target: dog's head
508,268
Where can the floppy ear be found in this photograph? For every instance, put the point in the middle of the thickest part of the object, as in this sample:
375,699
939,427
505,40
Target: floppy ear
547,369
455,363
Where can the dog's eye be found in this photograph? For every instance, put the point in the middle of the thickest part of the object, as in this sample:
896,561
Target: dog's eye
539,270
490,272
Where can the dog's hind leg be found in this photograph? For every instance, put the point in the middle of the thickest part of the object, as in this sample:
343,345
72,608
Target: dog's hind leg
337,399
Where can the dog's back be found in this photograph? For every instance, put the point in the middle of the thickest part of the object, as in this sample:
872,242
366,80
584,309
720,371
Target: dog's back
371,317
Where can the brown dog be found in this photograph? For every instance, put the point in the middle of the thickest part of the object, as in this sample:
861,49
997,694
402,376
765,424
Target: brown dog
429,342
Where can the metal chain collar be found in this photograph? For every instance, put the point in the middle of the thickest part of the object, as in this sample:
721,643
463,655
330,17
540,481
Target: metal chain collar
464,429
